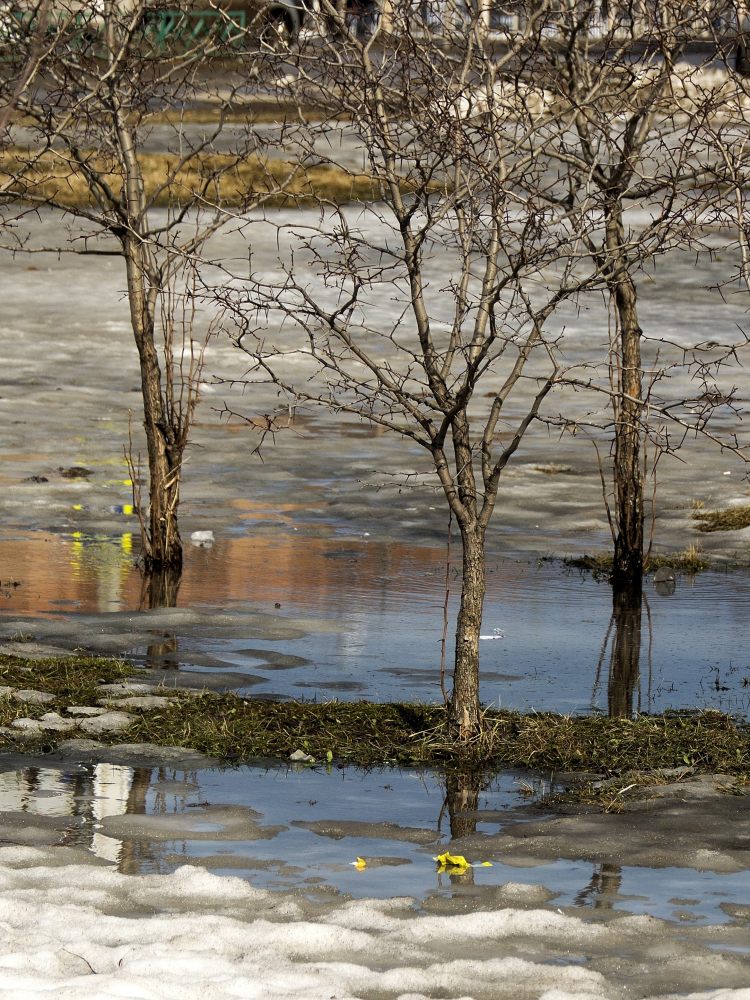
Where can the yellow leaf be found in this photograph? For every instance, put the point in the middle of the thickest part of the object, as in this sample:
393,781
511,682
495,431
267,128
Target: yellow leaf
359,864
486,864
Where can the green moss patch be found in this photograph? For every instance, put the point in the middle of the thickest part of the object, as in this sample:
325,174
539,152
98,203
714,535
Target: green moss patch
691,560
370,734
73,680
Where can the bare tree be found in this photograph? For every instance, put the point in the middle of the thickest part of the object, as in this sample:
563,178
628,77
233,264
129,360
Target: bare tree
458,361
109,78
639,164
518,157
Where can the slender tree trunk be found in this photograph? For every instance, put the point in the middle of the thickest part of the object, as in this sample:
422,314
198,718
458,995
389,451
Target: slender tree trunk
163,545
628,477
463,708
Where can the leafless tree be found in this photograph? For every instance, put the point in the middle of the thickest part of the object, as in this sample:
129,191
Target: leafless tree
458,361
642,163
638,156
109,76
520,156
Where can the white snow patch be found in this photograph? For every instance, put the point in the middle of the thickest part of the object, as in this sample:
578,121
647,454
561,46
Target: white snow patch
78,932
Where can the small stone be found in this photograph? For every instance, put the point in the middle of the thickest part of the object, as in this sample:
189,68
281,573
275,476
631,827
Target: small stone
16,733
664,575
84,710
108,723
54,722
51,722
6,692
31,697
301,757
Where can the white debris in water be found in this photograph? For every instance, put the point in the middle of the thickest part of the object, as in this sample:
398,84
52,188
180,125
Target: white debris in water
80,932
202,539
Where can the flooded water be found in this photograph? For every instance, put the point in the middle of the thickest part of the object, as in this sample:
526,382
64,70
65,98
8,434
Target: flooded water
327,579
300,829
369,621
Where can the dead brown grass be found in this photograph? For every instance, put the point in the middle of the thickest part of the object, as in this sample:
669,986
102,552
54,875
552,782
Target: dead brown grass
215,178
729,519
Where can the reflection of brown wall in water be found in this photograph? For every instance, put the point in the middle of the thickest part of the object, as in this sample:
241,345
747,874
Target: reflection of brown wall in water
292,569
54,572
288,568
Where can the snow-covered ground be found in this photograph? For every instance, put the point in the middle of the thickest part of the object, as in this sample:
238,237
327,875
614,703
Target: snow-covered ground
76,931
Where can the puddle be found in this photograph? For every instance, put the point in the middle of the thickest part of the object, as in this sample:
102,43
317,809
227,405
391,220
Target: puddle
299,830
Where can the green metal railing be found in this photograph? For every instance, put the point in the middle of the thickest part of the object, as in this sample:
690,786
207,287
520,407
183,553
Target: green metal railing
159,28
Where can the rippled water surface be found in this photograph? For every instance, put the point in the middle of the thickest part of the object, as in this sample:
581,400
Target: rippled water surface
371,616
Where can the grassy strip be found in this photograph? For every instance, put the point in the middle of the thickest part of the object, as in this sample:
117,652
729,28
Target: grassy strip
369,734
729,519
689,561
72,679
50,176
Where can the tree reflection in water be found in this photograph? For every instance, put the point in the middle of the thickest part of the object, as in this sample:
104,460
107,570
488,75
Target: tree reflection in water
603,888
461,801
624,679
625,661
160,589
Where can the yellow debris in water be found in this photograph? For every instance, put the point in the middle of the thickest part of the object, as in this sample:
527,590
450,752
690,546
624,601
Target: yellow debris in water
359,864
455,863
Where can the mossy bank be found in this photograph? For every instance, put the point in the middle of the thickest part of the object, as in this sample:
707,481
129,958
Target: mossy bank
359,733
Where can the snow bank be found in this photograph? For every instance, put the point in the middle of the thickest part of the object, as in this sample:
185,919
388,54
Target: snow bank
76,931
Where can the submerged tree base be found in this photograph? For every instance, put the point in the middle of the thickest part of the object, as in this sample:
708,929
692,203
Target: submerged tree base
368,734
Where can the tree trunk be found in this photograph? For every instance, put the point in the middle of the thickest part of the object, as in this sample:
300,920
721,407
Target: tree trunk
463,708
162,546
627,566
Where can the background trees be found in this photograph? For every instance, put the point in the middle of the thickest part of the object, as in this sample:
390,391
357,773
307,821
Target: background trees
104,140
